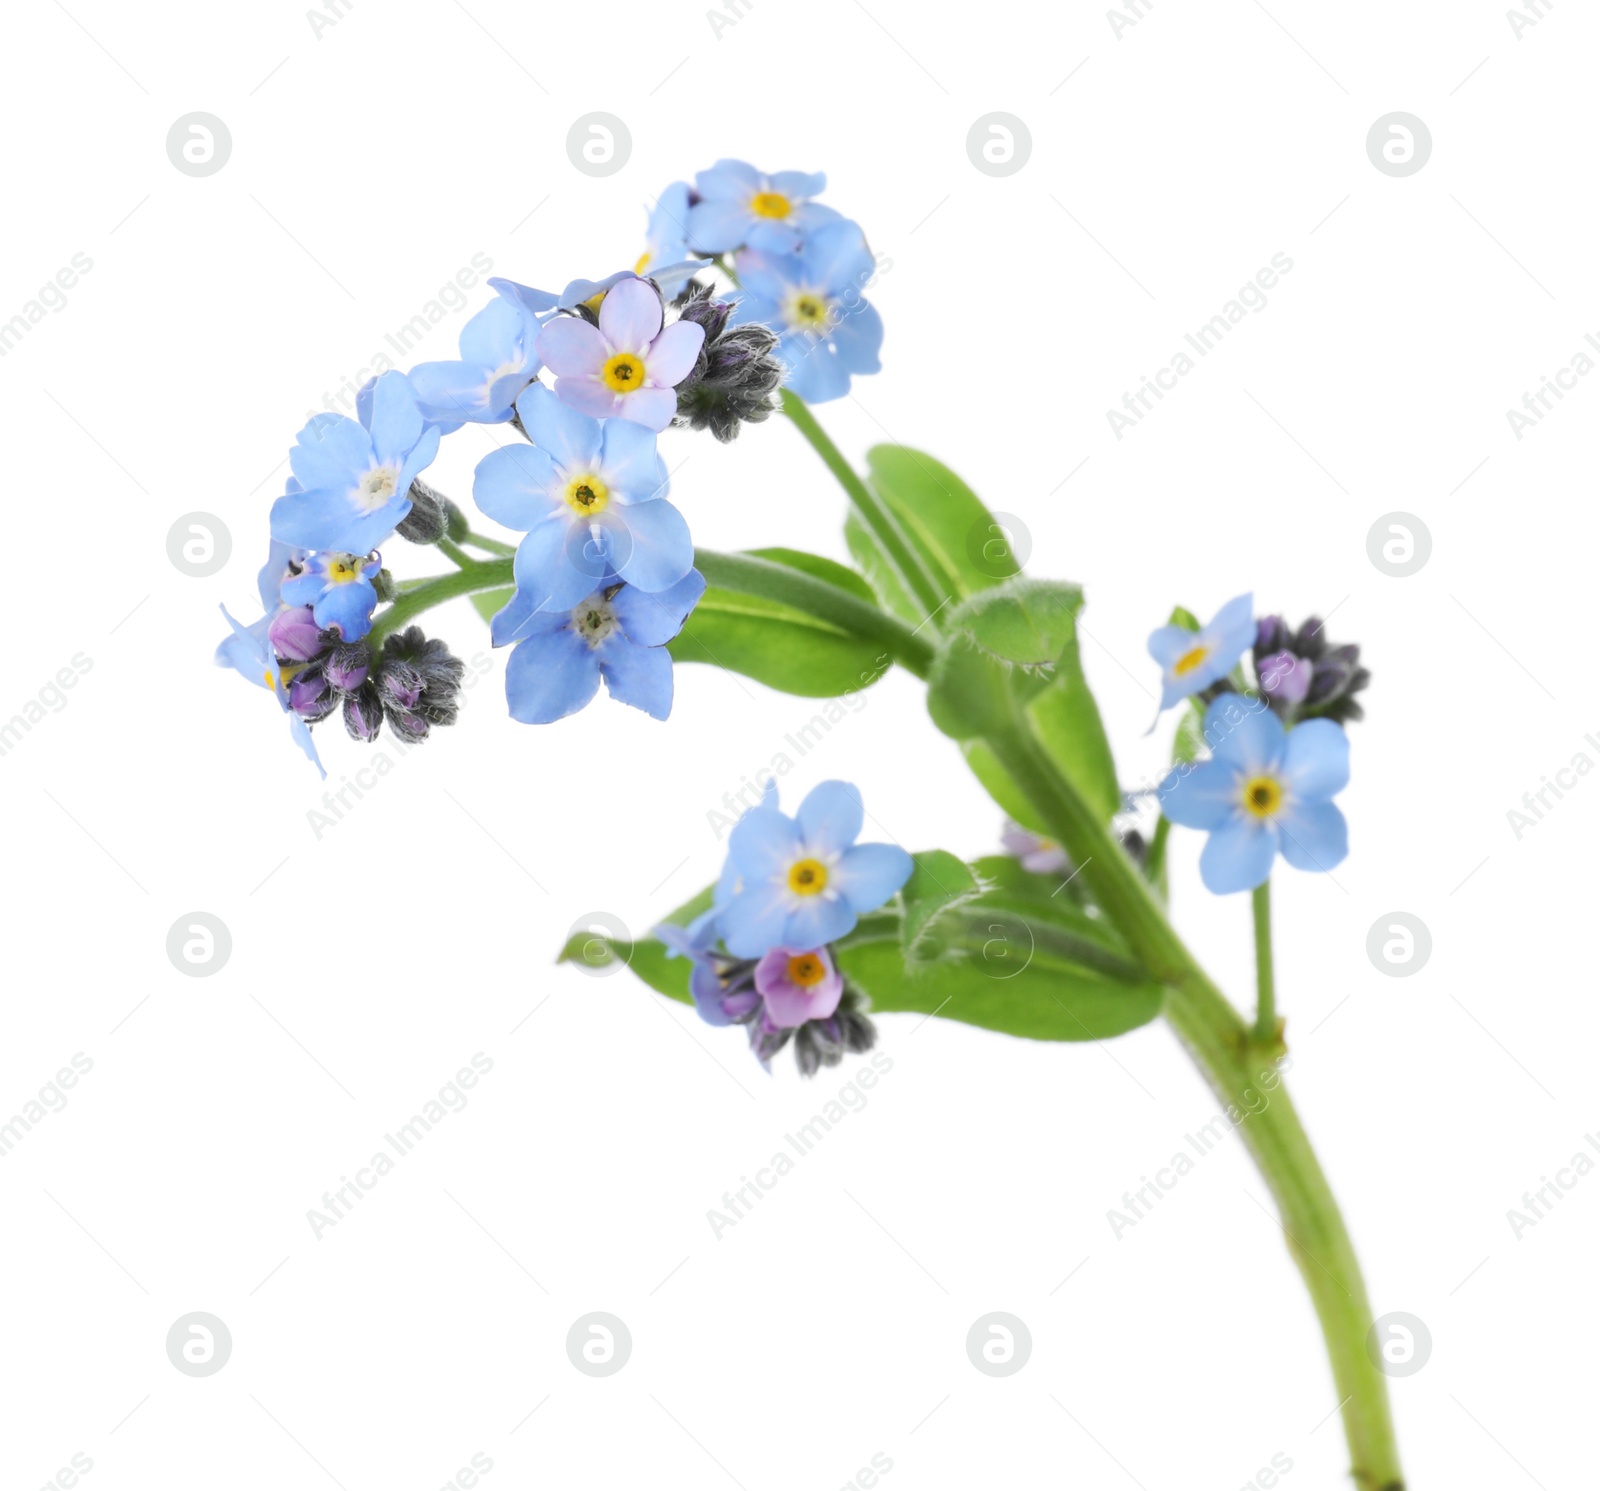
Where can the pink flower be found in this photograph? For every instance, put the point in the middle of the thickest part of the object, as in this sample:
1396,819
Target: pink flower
798,986
628,366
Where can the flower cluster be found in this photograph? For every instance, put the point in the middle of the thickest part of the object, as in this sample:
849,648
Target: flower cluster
747,284
1278,753
762,953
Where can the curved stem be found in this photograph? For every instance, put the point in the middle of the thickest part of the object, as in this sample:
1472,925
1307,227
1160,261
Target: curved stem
488,574
454,553
912,573
488,545
1245,1080
748,574
1266,1026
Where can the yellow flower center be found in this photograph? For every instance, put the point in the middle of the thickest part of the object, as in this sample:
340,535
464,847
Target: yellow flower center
639,264
1191,660
1263,796
587,495
770,204
343,568
808,877
807,970
623,373
806,311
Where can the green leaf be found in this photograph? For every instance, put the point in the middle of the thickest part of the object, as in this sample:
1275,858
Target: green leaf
1030,622
490,601
955,535
939,884
972,693
1067,721
779,646
1185,618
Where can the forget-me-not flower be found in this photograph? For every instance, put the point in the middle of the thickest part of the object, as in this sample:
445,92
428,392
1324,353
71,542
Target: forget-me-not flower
1192,661
1263,792
339,589
497,362
739,208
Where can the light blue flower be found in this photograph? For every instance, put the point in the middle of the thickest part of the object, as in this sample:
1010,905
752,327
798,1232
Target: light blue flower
800,882
339,590
590,496
1263,791
284,561
497,362
666,234
352,477
826,331
248,651
739,208
1192,661
617,633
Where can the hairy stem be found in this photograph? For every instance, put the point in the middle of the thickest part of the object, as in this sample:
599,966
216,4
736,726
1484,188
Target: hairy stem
908,566
487,574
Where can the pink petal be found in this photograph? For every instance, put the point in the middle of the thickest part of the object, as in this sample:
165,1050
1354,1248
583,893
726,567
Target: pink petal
570,345
672,354
588,395
651,407
790,1004
630,316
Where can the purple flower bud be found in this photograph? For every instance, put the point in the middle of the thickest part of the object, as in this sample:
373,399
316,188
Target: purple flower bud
347,665
295,635
363,714
1285,677
310,697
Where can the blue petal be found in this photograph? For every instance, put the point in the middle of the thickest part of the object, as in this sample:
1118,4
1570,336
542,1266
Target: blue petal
535,302
654,620
1202,795
629,463
348,607
1233,629
303,589
521,618
830,818
763,842
573,439
1245,733
396,420
716,227
836,257
513,486
799,184
857,339
269,581
869,874
659,551
1316,761
330,451
300,734
815,374
754,921
818,920
543,567
1169,643
1314,835
640,676
1238,856
550,676
728,179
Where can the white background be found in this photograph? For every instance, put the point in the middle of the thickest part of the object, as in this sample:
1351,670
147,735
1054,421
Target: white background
369,165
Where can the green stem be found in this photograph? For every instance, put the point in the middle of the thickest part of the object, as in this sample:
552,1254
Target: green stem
488,545
747,574
487,574
1266,1027
914,576
455,553
1247,1083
